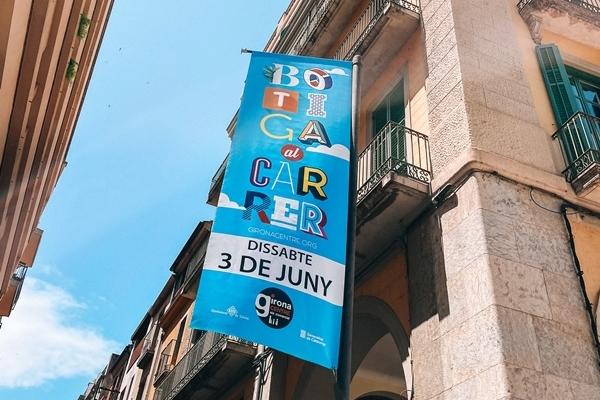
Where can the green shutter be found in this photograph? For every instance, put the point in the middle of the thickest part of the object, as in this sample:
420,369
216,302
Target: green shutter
557,82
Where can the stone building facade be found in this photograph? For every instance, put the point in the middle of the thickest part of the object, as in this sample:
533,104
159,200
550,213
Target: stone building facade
478,261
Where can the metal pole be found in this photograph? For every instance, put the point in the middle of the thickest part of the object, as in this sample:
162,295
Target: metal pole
344,373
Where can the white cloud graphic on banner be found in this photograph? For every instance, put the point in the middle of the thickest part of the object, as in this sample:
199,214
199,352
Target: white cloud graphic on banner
43,340
337,150
226,203
337,71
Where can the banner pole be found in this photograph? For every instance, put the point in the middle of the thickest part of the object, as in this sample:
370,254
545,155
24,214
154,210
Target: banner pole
344,373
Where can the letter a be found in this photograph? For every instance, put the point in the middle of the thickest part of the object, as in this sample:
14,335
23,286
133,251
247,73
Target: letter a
313,132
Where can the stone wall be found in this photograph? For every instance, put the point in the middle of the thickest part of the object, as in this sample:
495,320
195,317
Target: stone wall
478,90
506,318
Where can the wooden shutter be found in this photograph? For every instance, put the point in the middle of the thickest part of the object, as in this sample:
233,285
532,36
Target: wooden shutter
557,82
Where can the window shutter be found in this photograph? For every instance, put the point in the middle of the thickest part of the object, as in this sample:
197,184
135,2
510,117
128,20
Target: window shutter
557,82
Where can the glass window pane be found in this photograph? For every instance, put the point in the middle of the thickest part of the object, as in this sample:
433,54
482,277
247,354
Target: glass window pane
590,93
396,99
595,110
379,118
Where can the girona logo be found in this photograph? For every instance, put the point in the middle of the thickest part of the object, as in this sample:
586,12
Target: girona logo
292,152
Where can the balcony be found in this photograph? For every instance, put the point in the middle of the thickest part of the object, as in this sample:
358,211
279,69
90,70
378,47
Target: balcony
378,35
13,291
196,376
578,20
403,16
148,346
165,362
316,19
216,183
579,139
393,177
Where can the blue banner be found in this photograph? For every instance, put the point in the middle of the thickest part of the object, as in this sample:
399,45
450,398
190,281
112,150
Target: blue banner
275,264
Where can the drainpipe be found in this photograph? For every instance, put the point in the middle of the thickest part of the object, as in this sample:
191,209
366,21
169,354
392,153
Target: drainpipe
579,272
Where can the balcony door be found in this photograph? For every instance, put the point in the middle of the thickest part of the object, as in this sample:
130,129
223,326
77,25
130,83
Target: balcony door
391,109
586,90
387,147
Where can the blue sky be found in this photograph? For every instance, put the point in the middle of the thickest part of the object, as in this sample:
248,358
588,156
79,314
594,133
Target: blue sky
149,139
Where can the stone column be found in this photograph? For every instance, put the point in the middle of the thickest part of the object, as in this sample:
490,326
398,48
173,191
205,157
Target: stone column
496,307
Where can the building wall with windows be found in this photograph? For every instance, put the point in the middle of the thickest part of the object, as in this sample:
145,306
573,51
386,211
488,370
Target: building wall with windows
477,272
496,307
47,54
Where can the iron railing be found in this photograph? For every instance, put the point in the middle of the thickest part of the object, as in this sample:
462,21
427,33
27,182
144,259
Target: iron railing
592,5
367,21
395,148
196,263
149,342
165,361
192,363
316,16
218,176
19,278
579,139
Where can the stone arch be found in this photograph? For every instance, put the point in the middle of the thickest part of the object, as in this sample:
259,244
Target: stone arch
381,396
376,328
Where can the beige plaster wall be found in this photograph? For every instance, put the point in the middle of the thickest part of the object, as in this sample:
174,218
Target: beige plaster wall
409,64
586,232
484,86
171,334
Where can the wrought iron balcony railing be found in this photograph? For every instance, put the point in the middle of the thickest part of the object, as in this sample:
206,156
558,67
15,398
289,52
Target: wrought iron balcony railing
217,181
20,273
165,361
19,278
591,5
148,341
315,18
579,139
395,148
192,363
365,24
148,346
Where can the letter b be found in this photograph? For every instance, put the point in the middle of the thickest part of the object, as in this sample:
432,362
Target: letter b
285,75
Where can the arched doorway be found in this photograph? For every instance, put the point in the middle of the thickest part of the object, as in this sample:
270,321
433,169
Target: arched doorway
382,396
380,358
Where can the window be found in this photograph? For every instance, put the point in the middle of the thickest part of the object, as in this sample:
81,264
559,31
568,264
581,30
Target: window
178,342
587,91
179,279
575,100
391,109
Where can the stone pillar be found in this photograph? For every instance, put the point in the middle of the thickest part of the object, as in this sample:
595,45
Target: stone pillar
496,308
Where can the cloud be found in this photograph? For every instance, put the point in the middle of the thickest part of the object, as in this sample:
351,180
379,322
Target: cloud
337,71
226,203
337,150
48,270
40,341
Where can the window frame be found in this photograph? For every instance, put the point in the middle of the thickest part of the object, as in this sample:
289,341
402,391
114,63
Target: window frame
400,84
578,76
